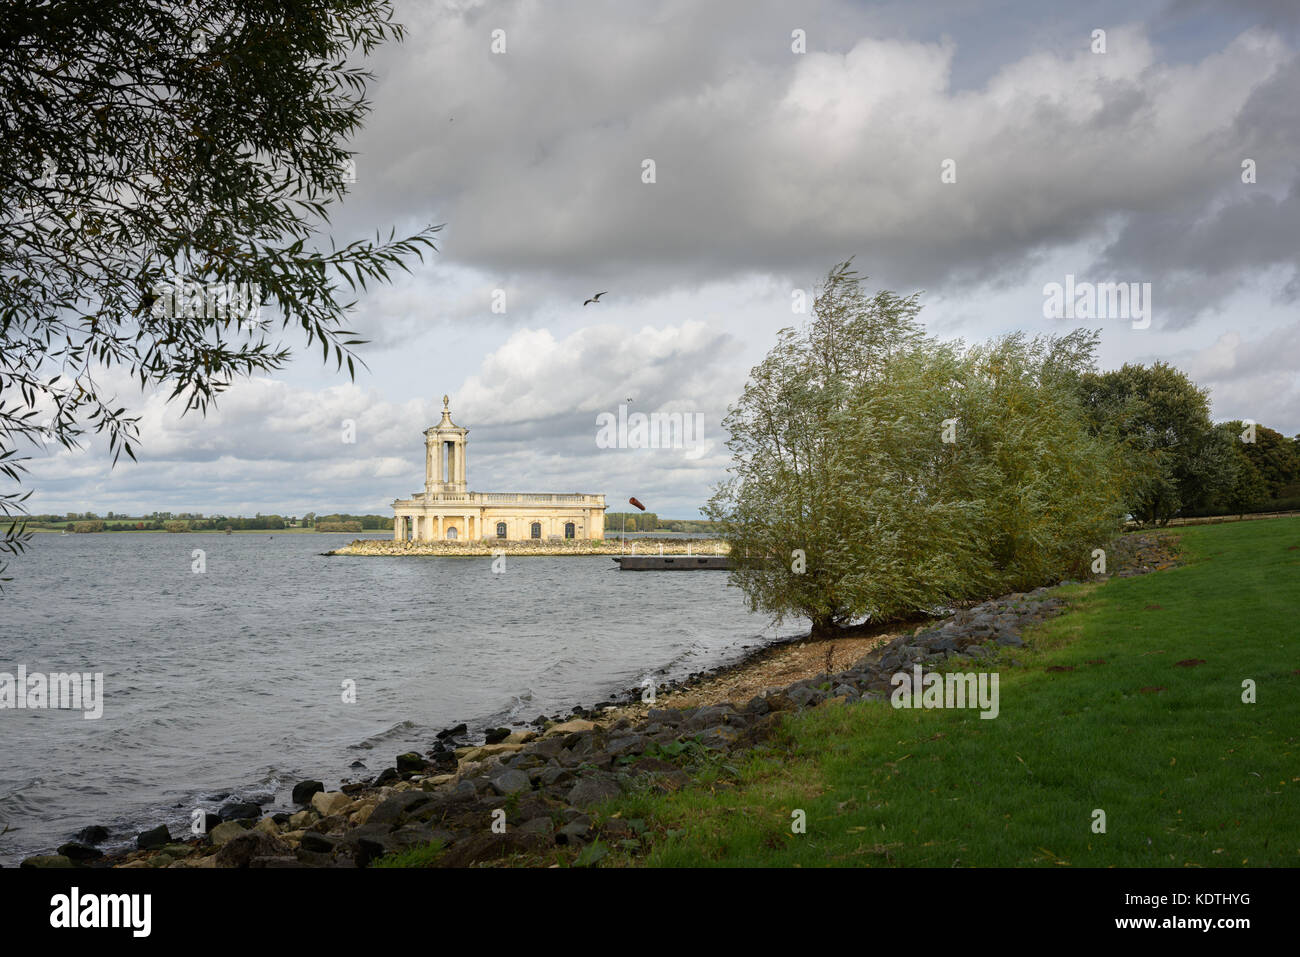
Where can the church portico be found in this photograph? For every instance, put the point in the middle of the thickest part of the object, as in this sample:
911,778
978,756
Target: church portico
447,511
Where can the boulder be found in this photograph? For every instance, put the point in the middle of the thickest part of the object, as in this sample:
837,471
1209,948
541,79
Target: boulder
569,727
593,790
227,831
409,762
718,738
303,791
43,861
76,851
239,851
95,834
239,810
153,838
391,810
511,781
327,803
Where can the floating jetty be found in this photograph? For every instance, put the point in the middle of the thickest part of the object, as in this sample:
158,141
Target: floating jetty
671,563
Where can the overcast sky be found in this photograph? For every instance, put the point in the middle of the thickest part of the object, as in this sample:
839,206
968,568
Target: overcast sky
770,166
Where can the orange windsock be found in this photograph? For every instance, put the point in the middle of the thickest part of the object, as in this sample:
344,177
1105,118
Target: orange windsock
633,501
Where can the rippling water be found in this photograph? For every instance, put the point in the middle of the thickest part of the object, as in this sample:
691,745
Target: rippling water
231,680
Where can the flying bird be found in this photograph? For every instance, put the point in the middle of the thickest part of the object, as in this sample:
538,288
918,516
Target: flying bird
595,298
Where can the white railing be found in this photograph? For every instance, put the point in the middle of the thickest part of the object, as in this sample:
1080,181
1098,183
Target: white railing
504,498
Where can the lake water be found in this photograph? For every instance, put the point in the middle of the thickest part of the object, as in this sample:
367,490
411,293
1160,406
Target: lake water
231,680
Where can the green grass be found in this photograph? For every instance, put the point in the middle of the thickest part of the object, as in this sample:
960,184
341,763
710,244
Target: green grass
1187,776
426,855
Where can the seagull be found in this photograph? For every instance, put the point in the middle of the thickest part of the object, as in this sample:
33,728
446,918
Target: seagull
595,298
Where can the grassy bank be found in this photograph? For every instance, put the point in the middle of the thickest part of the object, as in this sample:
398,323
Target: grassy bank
1131,704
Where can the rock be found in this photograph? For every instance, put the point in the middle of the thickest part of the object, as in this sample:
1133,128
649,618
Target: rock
304,790
156,837
511,782
569,727
409,762
44,861
802,697
318,843
227,831
521,737
1010,640
497,735
386,776
537,825
470,755
327,803
553,774
239,851
486,846
719,738
444,761
301,819
625,744
368,843
453,732
392,810
76,851
575,832
593,790
239,810
95,834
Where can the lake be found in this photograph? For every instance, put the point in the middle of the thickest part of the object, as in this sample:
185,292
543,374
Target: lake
231,680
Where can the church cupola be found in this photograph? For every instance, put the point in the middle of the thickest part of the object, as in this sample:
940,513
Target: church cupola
444,460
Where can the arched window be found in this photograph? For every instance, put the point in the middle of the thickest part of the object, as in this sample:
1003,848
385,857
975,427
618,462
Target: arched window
537,529
501,529
569,530
451,534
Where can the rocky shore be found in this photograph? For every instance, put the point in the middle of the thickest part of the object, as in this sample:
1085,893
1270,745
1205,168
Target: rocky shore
528,795
610,546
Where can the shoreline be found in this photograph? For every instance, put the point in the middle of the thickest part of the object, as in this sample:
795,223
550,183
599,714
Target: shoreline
390,548
771,676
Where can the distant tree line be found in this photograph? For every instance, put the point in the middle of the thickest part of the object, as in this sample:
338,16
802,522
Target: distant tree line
193,522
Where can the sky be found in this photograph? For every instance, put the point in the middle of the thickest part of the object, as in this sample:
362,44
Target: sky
974,152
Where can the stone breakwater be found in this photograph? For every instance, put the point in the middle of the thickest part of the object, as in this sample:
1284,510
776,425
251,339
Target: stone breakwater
641,546
544,784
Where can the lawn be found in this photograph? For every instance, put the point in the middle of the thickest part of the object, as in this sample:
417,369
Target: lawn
1147,725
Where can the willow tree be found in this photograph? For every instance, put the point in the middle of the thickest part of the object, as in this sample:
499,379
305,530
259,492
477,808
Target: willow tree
1049,488
784,508
878,473
152,145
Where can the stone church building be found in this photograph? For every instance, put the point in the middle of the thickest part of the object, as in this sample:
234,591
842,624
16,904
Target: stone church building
446,511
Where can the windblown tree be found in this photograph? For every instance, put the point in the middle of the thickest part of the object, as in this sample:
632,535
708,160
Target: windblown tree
165,169
878,473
